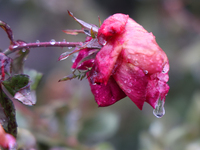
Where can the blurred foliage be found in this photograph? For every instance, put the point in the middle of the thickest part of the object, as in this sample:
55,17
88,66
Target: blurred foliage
66,116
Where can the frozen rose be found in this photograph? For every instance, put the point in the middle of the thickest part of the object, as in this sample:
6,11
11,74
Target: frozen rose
128,63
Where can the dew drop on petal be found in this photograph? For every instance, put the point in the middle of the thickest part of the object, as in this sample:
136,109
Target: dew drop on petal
23,50
130,84
52,42
146,71
159,111
129,90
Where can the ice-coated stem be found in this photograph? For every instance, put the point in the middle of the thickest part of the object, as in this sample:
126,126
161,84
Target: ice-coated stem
51,43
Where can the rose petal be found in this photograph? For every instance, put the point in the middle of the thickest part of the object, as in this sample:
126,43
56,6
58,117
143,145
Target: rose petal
133,82
106,95
106,59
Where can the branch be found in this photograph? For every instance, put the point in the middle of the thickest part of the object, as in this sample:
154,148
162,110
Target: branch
52,43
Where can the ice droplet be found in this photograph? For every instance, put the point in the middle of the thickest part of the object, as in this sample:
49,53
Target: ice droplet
15,46
129,90
146,71
37,41
159,111
52,42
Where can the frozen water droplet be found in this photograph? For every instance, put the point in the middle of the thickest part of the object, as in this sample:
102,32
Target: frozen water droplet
24,44
38,42
15,46
159,111
52,42
104,42
129,90
146,71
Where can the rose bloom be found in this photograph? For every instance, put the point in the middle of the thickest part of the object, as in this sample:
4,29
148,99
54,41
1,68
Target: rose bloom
130,63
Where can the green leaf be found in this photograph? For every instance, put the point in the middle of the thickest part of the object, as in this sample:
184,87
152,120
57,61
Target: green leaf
16,83
9,111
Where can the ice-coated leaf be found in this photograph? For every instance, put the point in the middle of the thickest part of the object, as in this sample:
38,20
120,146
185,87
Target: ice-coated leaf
18,61
26,96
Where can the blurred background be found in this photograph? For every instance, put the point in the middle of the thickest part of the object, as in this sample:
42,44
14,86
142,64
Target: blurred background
66,116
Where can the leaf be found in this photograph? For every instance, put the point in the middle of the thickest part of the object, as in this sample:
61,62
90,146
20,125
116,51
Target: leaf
84,24
26,96
16,83
19,87
8,30
18,62
9,111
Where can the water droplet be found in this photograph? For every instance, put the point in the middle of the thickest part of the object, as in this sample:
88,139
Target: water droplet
52,42
64,40
159,111
129,90
15,46
104,42
125,81
38,42
97,91
23,50
69,47
130,84
24,44
146,71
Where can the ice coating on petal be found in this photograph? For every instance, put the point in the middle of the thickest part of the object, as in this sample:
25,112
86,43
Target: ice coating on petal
106,95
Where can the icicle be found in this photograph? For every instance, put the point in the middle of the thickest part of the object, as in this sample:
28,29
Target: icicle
159,111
